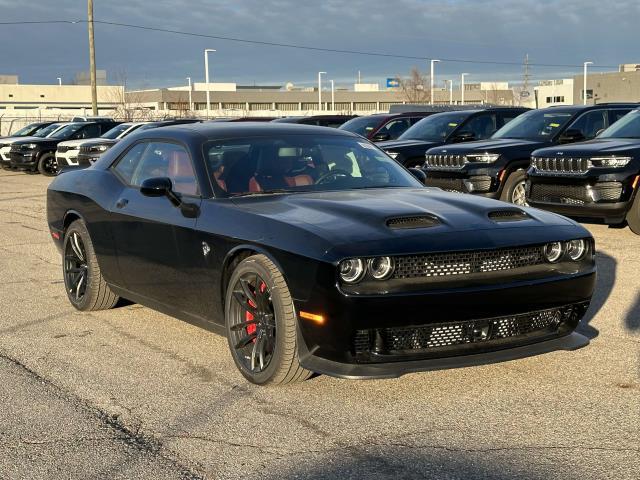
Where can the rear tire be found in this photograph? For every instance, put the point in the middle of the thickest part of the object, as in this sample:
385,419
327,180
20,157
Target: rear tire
86,288
48,165
261,324
633,215
514,189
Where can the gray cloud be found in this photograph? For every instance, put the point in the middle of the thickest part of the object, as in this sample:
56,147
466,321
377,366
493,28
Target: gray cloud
566,32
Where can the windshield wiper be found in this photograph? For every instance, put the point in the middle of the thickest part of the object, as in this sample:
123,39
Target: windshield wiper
262,192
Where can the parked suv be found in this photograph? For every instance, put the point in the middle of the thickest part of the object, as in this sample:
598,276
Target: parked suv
333,121
384,126
598,179
5,143
497,167
28,130
444,128
39,153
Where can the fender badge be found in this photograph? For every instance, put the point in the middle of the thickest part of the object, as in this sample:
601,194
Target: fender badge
205,248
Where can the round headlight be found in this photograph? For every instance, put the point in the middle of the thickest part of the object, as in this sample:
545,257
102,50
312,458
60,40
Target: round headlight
576,249
553,251
352,270
381,268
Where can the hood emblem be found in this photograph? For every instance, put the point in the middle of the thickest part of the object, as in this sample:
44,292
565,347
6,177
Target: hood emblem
560,153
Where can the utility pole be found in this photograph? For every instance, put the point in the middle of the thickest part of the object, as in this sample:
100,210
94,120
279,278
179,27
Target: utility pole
92,59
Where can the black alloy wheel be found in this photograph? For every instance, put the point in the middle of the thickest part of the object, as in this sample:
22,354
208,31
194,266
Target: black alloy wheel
76,271
48,165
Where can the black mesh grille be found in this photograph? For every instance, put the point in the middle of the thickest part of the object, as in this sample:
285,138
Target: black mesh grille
466,263
561,164
439,335
452,184
567,194
62,148
412,222
446,161
607,191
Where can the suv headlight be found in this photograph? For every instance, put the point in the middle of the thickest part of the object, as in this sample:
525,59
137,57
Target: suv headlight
98,148
609,162
30,146
483,157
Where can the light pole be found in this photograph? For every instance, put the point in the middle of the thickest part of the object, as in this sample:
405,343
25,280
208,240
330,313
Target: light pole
190,99
433,61
320,89
462,75
206,77
450,91
333,98
59,81
584,87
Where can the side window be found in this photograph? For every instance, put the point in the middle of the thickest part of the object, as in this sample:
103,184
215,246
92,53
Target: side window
127,164
617,114
163,159
90,131
590,123
105,127
395,128
482,126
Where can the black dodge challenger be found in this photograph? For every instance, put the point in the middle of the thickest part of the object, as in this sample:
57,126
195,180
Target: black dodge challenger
311,250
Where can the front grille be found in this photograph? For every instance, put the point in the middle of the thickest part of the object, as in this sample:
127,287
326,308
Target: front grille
450,184
421,221
439,336
606,191
466,263
575,165
446,161
566,194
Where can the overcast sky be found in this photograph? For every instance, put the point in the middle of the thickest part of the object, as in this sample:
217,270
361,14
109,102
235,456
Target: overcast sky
551,32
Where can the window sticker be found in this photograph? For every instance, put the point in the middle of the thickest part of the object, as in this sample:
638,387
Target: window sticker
554,125
453,124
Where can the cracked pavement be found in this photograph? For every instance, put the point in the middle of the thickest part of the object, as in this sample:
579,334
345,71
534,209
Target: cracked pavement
132,393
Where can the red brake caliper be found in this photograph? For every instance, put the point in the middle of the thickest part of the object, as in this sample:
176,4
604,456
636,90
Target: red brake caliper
251,329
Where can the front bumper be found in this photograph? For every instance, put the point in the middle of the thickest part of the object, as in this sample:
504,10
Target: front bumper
4,155
468,319
67,158
606,197
481,180
87,159
23,160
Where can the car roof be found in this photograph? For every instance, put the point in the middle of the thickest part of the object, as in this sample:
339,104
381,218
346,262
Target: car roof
579,108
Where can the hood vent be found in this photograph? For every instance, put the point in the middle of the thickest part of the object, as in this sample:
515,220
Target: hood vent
416,221
508,215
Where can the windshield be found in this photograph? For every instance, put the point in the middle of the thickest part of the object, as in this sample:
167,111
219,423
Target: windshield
25,130
627,127
538,125
46,131
361,125
435,128
302,163
116,131
67,131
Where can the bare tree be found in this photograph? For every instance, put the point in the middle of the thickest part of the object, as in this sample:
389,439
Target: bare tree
415,88
128,105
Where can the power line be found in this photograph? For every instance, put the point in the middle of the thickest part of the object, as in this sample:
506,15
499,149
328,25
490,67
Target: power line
303,47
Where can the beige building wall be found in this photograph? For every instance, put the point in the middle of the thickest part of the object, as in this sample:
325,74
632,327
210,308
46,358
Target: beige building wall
555,92
21,97
608,87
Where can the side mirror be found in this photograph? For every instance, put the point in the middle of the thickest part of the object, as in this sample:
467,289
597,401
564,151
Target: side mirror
381,137
571,135
160,187
464,137
419,174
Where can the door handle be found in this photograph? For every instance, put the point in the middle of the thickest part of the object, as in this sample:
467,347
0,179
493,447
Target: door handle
122,203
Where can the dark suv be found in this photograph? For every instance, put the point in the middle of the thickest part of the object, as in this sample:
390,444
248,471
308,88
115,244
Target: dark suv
598,179
39,153
384,126
333,121
497,167
445,128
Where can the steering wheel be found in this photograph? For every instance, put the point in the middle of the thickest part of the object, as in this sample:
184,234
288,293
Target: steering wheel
332,174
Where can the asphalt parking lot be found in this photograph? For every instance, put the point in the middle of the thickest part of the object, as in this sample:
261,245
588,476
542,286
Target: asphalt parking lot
131,393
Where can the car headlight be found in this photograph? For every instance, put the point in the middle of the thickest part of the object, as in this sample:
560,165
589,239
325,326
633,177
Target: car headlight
483,157
351,270
392,154
99,148
576,249
610,162
381,268
30,146
553,251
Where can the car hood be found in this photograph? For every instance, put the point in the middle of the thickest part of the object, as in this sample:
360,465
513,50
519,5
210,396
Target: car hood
37,140
10,140
355,222
604,146
500,145
390,144
100,141
72,143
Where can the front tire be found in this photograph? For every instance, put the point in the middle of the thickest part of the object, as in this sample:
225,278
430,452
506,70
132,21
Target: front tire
48,165
84,284
514,189
633,215
261,323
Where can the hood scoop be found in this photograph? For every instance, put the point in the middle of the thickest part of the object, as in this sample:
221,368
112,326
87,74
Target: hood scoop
414,221
508,215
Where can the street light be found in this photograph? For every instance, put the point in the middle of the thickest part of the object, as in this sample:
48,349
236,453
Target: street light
333,98
320,89
450,91
206,76
431,89
584,88
60,81
190,99
462,75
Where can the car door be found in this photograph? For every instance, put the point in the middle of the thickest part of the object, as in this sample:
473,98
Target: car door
146,229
